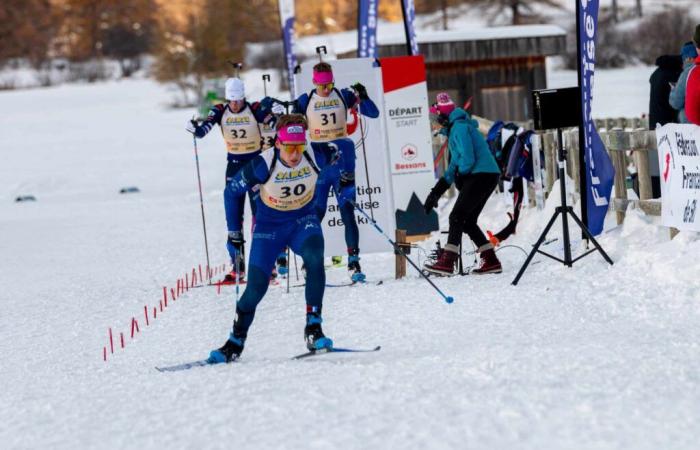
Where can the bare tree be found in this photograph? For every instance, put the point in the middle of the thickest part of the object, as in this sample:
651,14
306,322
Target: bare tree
521,11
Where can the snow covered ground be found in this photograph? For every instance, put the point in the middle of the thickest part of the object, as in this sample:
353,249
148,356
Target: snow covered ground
589,357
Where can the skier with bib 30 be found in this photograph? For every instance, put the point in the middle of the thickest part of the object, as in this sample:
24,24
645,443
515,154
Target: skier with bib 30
326,108
241,124
286,177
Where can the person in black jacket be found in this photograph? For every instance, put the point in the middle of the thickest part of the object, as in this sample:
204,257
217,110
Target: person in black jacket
669,68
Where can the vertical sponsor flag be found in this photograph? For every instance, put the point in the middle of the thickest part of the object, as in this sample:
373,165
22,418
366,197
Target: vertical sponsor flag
599,169
408,8
367,29
287,20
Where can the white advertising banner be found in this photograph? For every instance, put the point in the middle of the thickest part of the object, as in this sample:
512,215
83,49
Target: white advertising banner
372,177
679,161
410,143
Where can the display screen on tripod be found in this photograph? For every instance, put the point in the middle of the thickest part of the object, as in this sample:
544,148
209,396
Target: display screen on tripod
557,108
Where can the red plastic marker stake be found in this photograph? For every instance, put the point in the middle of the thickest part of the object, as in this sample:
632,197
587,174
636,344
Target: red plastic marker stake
194,278
104,353
145,313
165,295
177,288
134,326
154,312
160,303
218,287
200,274
121,336
172,293
187,282
111,341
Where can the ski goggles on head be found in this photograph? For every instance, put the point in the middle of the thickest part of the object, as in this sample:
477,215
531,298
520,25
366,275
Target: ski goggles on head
326,86
293,148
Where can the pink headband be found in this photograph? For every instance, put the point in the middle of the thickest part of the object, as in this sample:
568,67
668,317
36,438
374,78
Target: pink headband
322,77
292,134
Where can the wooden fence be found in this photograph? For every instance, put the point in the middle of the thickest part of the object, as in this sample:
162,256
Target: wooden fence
627,141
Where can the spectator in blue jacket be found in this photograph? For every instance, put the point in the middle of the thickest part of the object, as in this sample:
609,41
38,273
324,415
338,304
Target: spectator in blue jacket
677,96
475,173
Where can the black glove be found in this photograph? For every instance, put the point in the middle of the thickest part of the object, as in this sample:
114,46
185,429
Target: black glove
235,238
435,193
192,126
361,91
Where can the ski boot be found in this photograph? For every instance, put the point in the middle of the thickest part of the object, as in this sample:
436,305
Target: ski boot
282,266
313,334
231,277
446,259
229,352
489,262
354,269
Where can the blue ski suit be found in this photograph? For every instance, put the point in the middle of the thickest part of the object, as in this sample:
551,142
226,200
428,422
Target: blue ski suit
276,228
261,113
336,176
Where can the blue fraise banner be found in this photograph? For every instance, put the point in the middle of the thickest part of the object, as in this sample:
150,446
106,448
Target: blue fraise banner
367,29
409,16
599,169
287,19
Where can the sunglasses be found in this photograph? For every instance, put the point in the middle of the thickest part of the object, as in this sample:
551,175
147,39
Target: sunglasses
327,86
293,148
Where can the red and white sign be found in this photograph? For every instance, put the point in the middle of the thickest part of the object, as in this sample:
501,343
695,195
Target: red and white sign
408,128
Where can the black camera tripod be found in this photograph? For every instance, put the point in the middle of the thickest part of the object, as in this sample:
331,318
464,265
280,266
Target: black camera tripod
564,210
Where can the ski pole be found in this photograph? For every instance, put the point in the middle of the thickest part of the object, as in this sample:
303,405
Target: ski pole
201,199
265,78
288,274
364,154
238,273
448,299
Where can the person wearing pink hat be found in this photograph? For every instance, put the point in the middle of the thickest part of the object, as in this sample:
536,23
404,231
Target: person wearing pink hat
284,179
326,108
475,173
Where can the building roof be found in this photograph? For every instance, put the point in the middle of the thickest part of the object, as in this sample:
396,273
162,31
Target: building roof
468,44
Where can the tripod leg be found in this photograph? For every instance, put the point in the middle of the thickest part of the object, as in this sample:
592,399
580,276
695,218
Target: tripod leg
590,237
536,247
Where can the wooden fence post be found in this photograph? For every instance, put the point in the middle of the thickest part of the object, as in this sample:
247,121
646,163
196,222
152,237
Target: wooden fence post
400,260
639,144
618,144
550,162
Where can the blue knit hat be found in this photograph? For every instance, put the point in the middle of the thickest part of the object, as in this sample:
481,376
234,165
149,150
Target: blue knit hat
688,51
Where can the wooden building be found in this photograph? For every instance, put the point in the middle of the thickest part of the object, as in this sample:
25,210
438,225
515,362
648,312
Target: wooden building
497,67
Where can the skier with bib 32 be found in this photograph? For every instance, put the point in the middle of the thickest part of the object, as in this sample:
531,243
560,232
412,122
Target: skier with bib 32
286,177
326,108
241,124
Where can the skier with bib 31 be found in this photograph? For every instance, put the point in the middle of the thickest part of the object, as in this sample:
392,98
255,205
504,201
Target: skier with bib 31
326,108
285,178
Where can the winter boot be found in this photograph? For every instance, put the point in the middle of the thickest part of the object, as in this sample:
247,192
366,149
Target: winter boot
282,267
446,261
313,334
354,269
229,352
489,262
